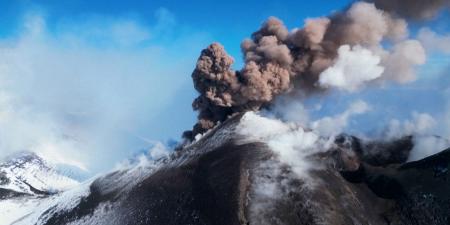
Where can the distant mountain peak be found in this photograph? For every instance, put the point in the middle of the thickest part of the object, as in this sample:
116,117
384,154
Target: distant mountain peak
29,174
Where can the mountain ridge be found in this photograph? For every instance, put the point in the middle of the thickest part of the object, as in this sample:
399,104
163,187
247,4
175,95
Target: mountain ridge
227,178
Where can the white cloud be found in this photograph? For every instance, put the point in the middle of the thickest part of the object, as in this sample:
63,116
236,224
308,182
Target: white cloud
354,67
434,42
400,63
81,91
358,66
445,125
446,122
333,125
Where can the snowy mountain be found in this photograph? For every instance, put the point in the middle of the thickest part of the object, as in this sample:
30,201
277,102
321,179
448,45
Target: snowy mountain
27,173
26,182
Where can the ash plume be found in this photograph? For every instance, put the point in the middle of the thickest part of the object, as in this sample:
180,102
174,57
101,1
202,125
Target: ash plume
345,51
414,9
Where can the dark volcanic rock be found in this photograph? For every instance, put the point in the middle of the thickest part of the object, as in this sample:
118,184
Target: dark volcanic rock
8,194
378,153
220,180
4,180
207,190
420,189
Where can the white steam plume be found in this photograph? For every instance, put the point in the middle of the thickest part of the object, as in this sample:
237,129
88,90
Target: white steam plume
354,67
422,127
290,142
420,124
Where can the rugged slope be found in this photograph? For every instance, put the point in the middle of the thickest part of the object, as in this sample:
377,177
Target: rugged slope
28,174
225,178
27,180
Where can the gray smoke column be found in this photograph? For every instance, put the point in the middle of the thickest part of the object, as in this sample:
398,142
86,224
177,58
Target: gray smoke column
343,51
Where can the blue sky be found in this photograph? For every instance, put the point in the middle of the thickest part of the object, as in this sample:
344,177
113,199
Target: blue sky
227,22
114,76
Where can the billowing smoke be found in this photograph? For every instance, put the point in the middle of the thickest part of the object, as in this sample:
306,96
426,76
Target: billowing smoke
361,46
414,9
367,45
434,42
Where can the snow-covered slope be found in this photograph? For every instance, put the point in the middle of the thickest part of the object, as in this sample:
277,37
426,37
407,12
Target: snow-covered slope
28,184
27,173
40,189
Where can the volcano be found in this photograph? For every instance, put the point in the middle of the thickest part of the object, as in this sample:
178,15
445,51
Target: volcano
225,177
